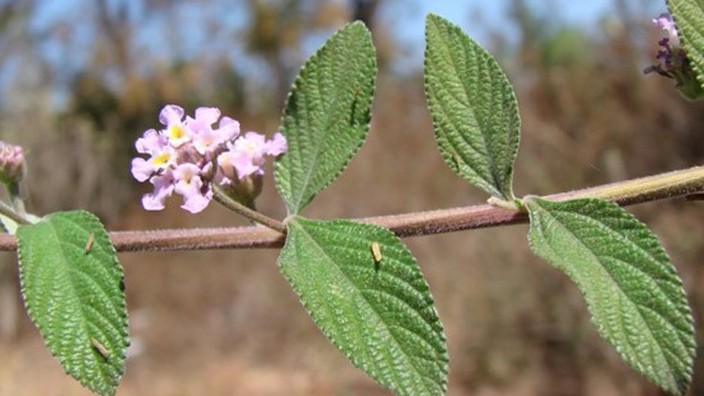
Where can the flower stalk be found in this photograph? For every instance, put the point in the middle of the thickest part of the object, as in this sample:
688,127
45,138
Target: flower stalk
225,200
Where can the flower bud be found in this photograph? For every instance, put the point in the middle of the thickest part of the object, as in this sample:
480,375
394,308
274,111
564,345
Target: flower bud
12,163
244,190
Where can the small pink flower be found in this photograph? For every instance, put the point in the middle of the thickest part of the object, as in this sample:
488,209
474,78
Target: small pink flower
176,131
143,169
163,188
246,154
277,145
189,184
207,140
665,22
151,142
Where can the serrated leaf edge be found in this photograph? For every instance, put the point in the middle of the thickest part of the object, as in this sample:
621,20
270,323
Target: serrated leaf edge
493,186
112,388
444,367
635,364
300,204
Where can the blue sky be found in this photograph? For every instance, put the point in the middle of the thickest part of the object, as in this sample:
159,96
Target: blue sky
405,18
478,18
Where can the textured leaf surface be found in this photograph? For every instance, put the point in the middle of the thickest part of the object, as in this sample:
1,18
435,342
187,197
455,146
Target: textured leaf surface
327,115
473,106
689,17
633,292
74,293
365,291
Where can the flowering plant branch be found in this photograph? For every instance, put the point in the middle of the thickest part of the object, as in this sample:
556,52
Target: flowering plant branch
356,278
676,184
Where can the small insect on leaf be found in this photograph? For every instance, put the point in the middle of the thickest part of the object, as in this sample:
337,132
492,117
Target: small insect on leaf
100,347
89,243
376,252
458,162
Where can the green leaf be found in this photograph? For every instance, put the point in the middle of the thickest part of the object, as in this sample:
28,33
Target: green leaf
73,289
473,106
327,115
689,17
633,292
365,291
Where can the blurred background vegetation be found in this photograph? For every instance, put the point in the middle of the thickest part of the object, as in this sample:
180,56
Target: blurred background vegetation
81,79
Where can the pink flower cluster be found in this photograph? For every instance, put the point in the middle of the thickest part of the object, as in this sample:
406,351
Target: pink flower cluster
190,154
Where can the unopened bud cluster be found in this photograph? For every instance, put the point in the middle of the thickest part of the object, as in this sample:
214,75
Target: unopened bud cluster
12,163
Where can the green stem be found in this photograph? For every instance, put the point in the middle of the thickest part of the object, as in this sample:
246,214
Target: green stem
243,210
651,188
16,198
10,212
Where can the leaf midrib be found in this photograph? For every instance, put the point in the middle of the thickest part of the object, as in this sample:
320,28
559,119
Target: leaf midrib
409,361
85,323
491,164
328,119
671,374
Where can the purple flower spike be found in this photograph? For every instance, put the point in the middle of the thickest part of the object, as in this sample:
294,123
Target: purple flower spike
665,22
673,61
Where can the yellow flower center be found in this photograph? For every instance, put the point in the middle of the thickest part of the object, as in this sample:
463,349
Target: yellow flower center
176,132
161,159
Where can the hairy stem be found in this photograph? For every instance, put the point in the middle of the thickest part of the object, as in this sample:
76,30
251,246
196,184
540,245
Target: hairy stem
652,188
241,209
13,214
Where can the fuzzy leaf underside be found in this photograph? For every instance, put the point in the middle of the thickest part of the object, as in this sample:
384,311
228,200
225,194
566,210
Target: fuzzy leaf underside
633,292
364,290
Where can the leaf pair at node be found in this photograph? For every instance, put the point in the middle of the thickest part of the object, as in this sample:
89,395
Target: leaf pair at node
634,295
359,283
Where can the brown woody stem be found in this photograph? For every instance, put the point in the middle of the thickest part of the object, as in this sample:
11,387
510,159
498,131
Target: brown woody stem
669,185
